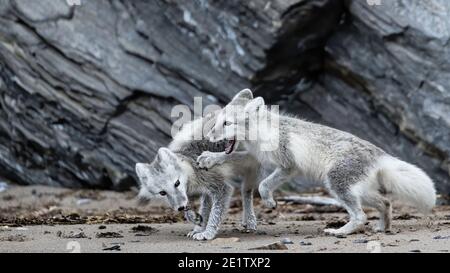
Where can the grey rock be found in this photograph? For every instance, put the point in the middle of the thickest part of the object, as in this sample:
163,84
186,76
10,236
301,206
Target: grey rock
87,91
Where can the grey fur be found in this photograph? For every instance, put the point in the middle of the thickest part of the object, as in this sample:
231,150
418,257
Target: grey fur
213,184
341,160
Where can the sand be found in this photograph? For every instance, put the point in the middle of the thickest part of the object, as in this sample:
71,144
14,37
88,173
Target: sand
44,219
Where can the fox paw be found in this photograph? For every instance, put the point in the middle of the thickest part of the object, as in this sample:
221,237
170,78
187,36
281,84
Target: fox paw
205,235
349,228
381,229
334,232
195,231
270,203
207,160
267,197
192,233
249,225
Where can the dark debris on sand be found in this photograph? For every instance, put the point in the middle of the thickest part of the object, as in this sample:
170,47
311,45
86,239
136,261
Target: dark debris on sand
109,234
143,230
61,218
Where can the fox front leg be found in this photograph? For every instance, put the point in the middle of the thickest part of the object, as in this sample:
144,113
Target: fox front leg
220,202
210,159
205,210
249,221
271,183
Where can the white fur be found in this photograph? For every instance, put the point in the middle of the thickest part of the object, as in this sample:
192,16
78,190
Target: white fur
313,162
312,158
407,183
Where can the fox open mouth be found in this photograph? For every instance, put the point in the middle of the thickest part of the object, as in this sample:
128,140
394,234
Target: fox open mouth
229,147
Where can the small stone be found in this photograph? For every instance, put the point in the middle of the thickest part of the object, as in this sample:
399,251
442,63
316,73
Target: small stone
274,246
440,237
83,201
360,241
71,235
287,241
303,243
222,241
114,247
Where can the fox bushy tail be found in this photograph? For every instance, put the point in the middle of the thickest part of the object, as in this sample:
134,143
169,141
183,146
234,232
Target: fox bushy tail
407,183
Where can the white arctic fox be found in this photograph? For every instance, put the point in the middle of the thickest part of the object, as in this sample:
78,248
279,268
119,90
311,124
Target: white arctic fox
354,171
174,174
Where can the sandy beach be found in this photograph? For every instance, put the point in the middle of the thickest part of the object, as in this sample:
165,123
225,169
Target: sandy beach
45,219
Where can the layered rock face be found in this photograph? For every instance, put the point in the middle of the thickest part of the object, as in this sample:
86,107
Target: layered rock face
87,91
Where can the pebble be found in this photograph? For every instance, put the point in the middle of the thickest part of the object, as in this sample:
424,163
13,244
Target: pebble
83,201
440,237
114,247
274,246
360,241
287,241
222,241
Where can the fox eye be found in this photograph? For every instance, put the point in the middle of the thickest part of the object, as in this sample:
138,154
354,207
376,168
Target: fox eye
162,193
177,183
227,123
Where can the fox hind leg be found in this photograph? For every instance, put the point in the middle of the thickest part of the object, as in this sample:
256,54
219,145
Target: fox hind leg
352,203
384,207
357,217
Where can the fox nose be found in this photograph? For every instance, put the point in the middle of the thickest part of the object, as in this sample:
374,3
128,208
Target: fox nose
181,208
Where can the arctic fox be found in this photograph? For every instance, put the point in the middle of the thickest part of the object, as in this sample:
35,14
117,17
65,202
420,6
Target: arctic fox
174,174
354,171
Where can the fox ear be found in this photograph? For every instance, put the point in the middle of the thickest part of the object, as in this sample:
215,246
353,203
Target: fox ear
165,155
167,160
140,170
242,97
254,105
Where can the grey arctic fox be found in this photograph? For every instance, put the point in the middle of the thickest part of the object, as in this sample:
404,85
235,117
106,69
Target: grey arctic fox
354,171
175,175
